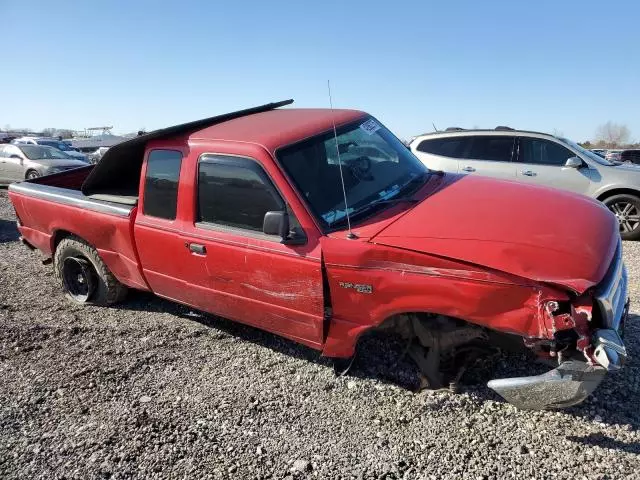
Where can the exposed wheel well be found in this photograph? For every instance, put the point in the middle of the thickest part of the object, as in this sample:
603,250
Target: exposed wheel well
618,191
58,236
441,347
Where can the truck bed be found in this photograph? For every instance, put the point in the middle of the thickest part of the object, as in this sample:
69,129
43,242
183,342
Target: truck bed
110,204
53,207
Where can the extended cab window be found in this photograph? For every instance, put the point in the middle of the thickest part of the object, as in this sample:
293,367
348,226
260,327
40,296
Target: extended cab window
543,152
161,184
235,192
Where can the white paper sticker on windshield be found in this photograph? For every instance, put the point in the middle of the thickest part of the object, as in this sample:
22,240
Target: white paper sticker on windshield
370,126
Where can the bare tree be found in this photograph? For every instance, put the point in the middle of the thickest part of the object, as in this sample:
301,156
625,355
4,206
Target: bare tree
48,132
613,134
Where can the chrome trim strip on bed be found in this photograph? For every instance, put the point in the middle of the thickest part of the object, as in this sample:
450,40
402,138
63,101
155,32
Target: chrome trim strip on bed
66,196
612,293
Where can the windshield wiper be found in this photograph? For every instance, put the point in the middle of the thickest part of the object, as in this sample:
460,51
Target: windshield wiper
372,205
398,198
416,182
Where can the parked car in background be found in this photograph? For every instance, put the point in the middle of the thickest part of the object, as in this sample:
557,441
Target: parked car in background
537,159
613,155
52,142
600,152
23,161
630,156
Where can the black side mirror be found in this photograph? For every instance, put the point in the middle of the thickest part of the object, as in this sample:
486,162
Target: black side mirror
276,223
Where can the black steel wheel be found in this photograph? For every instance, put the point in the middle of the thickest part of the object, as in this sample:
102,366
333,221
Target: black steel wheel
83,275
78,278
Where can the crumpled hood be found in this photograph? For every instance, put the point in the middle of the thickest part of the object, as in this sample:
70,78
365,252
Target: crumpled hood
538,233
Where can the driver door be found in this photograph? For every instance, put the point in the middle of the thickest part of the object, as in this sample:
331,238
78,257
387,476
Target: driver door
232,268
542,162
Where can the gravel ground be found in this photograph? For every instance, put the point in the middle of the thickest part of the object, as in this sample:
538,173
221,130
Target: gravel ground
154,390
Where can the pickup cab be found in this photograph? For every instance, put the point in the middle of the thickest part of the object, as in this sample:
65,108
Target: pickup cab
320,225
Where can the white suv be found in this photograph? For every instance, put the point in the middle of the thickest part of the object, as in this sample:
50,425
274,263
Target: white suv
537,158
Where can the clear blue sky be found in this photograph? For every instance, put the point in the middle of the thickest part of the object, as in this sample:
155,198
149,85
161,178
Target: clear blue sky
565,65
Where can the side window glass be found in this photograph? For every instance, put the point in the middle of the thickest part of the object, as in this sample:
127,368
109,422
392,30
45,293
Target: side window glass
543,152
161,184
492,148
235,193
12,150
446,147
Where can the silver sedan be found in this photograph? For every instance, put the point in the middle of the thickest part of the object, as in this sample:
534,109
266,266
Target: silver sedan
20,162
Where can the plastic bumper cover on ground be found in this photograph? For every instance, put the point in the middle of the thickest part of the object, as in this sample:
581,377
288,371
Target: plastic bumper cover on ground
568,384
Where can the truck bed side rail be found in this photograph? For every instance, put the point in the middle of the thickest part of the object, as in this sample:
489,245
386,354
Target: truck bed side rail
67,196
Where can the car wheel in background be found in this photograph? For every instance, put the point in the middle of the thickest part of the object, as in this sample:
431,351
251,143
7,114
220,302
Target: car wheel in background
626,208
84,276
31,174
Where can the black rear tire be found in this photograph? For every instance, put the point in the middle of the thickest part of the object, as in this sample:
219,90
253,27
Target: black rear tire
31,174
626,208
96,284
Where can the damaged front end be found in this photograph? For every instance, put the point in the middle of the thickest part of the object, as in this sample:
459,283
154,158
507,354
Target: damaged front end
581,335
587,343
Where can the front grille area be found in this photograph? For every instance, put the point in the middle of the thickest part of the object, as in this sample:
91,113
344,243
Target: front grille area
611,294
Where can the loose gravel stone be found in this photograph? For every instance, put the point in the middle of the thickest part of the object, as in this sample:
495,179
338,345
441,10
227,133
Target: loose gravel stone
230,401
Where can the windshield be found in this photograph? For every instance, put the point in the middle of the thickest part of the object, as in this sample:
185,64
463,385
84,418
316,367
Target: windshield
56,144
588,153
38,152
376,167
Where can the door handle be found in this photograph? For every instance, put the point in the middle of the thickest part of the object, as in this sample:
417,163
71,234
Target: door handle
468,169
529,173
196,248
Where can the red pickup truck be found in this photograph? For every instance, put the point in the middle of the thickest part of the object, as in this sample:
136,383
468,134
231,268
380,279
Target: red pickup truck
320,225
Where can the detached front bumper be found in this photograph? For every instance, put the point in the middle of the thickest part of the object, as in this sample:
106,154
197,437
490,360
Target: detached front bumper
568,384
